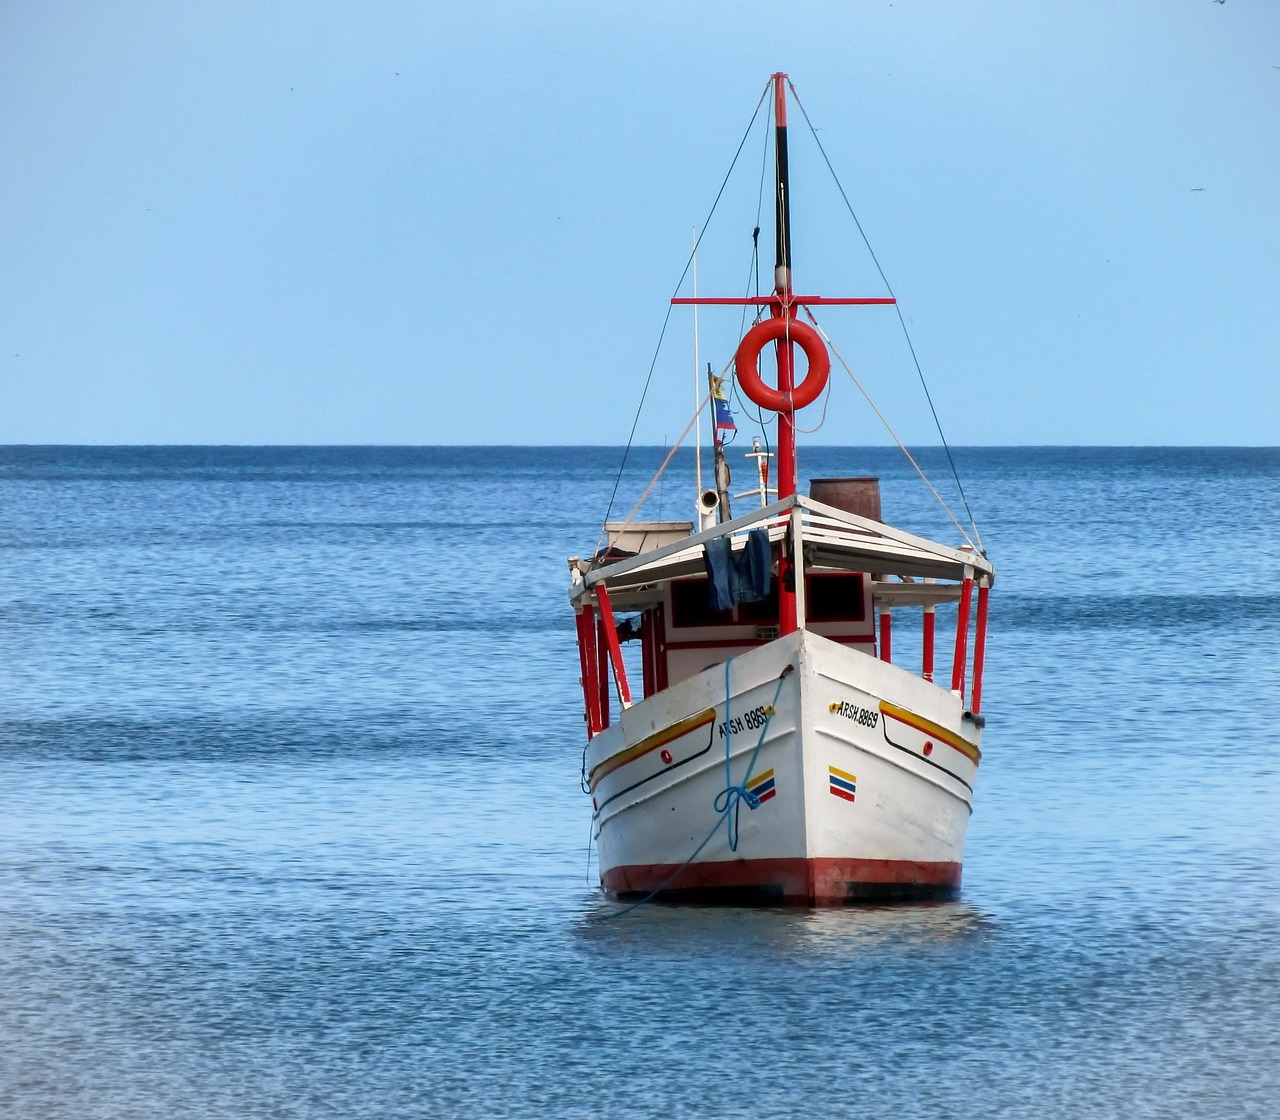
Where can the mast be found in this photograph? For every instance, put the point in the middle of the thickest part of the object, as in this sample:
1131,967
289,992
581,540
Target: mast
782,286
786,332
787,615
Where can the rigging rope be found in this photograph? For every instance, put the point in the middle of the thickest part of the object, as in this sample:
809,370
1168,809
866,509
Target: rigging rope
667,318
757,417
898,308
826,396
755,233
665,463
889,428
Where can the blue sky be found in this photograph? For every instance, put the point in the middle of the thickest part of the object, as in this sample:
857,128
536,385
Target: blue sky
427,223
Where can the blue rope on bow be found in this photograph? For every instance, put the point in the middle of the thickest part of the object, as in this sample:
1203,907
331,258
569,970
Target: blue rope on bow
729,800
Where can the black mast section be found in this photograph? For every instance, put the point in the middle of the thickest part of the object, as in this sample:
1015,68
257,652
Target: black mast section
782,191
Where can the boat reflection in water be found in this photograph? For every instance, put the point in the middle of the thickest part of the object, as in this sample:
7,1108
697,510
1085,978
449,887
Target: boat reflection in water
699,931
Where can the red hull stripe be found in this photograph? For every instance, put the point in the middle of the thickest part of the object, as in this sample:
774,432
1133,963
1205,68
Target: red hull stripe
797,881
936,730
650,743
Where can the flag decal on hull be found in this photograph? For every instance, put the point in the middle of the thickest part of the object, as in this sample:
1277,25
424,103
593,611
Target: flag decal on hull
762,788
842,783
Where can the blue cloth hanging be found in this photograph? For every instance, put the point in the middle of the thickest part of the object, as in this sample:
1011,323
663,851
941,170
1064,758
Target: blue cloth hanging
755,573
742,577
722,574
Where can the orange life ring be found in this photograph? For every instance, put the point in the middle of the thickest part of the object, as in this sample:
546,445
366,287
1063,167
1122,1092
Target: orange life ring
746,362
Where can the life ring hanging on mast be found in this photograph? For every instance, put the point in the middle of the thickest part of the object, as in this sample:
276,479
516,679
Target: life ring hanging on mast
747,363
782,328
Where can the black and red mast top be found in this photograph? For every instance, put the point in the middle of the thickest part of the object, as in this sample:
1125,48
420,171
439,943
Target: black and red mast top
786,332
782,289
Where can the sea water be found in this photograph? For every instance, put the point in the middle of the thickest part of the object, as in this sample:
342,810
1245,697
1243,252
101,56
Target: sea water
290,823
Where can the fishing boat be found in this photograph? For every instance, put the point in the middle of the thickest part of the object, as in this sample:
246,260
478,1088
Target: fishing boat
778,748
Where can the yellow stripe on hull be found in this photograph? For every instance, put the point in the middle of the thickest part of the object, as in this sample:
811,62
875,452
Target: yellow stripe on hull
649,743
966,748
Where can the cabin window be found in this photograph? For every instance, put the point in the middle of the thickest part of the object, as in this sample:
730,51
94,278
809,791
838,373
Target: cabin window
762,611
690,605
835,598
690,600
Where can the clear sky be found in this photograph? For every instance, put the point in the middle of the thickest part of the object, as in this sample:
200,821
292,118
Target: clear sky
300,221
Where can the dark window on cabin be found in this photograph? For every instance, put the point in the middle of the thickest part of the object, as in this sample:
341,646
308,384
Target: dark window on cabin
834,598
829,598
690,605
764,611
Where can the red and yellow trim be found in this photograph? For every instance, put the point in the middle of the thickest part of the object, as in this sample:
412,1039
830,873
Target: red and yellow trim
933,730
649,744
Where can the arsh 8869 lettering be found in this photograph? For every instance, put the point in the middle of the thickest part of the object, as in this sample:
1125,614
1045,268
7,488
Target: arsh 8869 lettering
867,717
753,720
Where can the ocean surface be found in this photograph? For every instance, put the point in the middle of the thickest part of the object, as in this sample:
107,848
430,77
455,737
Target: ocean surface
290,823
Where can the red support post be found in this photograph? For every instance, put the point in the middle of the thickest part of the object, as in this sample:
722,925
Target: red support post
886,635
787,619
609,632
602,673
586,620
930,621
962,637
980,647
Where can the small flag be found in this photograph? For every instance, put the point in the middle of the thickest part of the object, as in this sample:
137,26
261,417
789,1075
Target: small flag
724,418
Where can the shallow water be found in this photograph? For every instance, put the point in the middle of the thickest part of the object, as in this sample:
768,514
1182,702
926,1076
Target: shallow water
290,822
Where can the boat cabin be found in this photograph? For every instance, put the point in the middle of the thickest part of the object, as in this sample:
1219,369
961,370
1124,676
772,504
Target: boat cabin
847,574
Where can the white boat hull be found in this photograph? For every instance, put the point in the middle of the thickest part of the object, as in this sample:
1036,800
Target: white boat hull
862,776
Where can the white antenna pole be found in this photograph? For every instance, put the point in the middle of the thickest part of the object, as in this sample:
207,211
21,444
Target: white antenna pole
697,376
